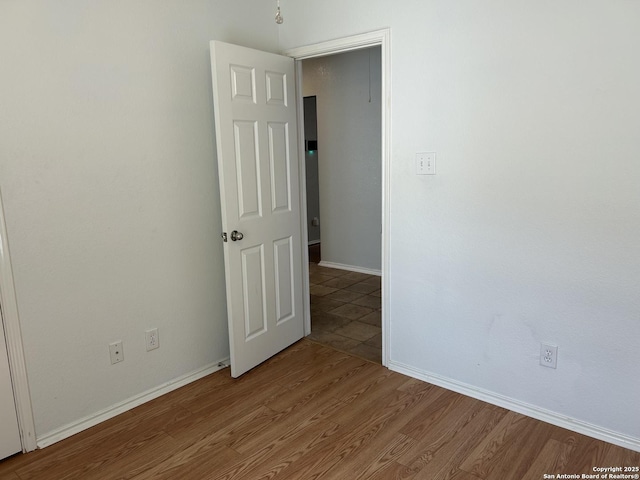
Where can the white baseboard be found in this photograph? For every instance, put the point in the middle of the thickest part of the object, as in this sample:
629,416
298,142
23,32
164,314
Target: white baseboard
351,268
314,242
529,410
110,412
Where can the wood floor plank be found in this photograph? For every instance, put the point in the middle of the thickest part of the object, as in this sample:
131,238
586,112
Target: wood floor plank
192,469
368,405
288,423
445,408
320,384
198,425
393,471
99,457
209,445
552,459
439,439
8,476
382,451
358,432
509,450
314,413
445,460
296,378
211,385
298,357
380,384
369,377
134,460
101,447
457,474
277,453
588,454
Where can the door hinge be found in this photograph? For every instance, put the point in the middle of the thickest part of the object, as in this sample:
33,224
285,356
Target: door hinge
224,236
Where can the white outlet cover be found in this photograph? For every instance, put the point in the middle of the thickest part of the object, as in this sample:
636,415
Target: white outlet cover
548,355
152,339
116,352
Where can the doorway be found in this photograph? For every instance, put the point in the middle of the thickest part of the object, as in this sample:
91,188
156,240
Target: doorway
345,270
312,181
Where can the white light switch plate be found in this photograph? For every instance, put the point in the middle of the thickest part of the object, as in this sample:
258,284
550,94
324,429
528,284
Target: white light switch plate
426,163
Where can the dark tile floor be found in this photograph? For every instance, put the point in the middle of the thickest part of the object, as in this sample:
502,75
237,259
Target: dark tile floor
345,311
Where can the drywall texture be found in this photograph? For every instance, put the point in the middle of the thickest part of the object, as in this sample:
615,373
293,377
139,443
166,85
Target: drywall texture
347,90
110,189
529,231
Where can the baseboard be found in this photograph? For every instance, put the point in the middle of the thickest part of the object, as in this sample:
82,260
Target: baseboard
529,410
351,268
313,242
110,412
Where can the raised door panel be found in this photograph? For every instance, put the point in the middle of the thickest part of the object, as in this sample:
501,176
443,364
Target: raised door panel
246,140
254,292
280,166
284,280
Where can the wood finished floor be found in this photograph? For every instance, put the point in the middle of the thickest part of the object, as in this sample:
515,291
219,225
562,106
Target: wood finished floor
313,412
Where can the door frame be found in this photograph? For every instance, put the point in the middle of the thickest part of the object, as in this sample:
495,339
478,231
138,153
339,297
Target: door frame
15,349
381,38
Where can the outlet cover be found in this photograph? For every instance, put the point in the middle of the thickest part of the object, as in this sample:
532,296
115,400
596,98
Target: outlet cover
152,339
116,352
548,355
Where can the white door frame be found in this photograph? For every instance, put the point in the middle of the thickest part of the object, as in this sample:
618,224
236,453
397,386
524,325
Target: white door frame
15,350
381,38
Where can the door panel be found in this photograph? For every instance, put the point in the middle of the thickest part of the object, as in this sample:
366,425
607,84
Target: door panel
276,89
256,135
280,168
248,168
284,278
253,292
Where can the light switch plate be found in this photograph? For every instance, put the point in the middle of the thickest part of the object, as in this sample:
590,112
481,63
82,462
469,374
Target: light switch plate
426,163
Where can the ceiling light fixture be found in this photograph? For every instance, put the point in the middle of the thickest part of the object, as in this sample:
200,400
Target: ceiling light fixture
279,18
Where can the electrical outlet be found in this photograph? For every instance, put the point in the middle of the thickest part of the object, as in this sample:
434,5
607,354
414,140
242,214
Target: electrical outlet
116,352
152,339
548,355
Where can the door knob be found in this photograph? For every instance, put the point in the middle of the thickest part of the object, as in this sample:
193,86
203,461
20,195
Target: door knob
236,235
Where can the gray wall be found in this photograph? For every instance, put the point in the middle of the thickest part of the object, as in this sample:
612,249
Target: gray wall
349,155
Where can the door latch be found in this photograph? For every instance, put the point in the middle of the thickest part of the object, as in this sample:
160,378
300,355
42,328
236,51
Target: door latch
224,236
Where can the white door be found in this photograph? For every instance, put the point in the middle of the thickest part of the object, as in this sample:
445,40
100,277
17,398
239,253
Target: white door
9,433
256,136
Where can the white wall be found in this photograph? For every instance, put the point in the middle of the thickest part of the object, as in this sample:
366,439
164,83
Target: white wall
109,182
349,165
529,231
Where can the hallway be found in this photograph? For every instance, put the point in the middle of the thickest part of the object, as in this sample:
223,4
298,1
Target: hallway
346,311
